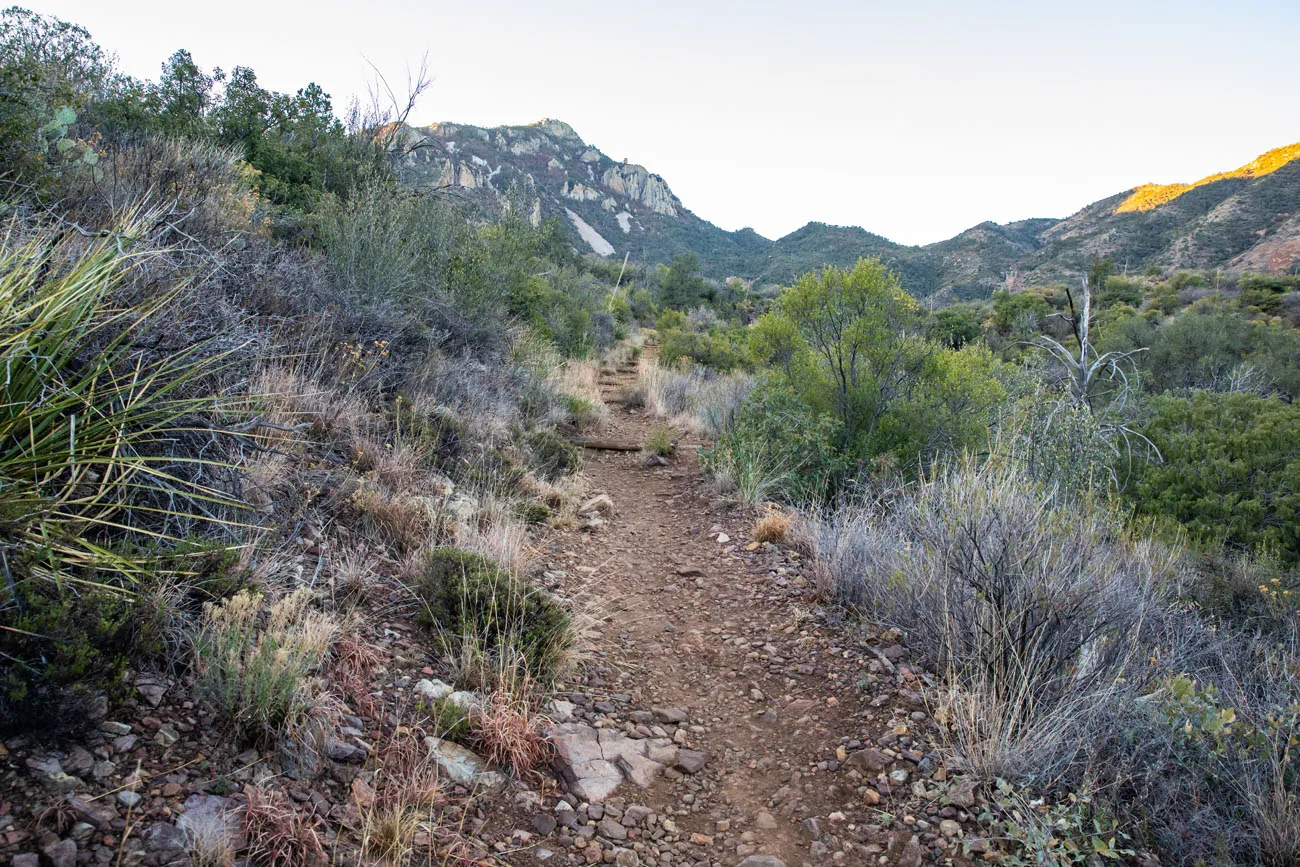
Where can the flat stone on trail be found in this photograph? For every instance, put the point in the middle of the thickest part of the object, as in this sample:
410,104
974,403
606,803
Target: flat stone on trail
594,781
761,861
639,770
594,762
690,571
576,744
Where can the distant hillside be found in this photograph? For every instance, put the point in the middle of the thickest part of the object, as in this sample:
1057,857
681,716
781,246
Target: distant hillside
1245,219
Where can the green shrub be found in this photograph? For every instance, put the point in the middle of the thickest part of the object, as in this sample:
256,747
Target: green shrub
254,673
1119,290
468,600
1230,472
778,449
661,442
581,412
711,349
66,643
550,455
670,320
532,513
448,720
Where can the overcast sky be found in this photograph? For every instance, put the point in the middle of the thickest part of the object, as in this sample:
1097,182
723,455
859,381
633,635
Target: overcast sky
914,119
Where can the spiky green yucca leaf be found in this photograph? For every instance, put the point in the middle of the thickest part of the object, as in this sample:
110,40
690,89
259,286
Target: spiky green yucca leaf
85,417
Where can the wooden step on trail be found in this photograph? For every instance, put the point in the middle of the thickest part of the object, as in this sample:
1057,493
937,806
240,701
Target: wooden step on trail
603,445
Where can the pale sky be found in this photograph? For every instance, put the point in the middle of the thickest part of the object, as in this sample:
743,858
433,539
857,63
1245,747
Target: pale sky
915,119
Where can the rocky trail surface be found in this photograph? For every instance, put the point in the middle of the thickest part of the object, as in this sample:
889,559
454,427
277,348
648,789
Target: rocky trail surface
726,717
723,714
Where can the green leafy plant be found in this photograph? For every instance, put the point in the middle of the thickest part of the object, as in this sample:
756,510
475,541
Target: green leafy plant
661,442
491,618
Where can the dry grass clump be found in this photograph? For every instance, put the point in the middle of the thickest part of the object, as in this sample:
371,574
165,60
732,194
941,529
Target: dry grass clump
258,674
208,841
278,835
401,520
1071,665
202,181
388,833
352,668
699,400
508,731
773,526
578,383
404,795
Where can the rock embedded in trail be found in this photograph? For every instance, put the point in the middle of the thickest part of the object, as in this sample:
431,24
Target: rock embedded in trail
762,861
463,767
598,505
595,762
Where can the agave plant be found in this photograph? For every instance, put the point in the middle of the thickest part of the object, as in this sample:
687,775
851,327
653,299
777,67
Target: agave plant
86,417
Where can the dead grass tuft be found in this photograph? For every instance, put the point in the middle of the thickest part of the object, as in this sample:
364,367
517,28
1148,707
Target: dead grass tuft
509,733
278,835
772,527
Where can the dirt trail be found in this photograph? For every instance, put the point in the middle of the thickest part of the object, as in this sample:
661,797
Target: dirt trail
698,617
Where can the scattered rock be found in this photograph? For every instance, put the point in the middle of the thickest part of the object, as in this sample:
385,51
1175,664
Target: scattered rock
672,715
599,505
206,813
151,688
62,853
342,751
464,767
691,761
430,691
762,861
165,841
870,759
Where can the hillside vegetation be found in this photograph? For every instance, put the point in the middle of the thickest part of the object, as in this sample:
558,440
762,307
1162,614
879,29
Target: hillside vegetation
302,562
1078,504
1241,220
1149,196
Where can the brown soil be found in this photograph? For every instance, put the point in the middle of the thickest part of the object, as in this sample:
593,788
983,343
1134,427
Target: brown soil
697,615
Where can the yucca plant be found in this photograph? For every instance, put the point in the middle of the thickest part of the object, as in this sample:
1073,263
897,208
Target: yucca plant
86,418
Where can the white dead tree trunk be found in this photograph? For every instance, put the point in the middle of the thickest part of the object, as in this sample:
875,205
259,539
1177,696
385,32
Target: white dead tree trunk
1103,383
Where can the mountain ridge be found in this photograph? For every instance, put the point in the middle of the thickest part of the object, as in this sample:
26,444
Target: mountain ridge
1244,219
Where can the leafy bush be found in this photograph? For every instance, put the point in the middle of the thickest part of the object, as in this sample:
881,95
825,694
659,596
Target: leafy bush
256,674
532,513
661,442
1231,470
67,643
777,449
467,599
714,350
848,343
